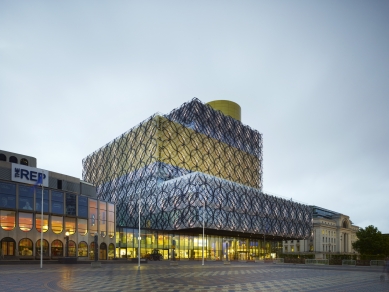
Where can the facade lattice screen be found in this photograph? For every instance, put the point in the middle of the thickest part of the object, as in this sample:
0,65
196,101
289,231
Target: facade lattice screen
174,163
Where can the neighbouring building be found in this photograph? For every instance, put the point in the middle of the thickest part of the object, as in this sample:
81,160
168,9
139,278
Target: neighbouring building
333,233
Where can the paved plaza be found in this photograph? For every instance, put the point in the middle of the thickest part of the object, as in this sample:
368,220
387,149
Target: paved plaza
190,276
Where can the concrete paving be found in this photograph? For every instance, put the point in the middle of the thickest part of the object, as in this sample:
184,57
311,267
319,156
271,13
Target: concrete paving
190,276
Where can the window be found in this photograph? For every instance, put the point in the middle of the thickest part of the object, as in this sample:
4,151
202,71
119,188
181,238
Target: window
71,204
44,223
57,202
103,218
70,225
57,224
7,219
3,157
8,246
24,161
286,248
26,197
25,221
45,247
25,247
38,200
72,248
92,217
7,195
292,248
103,251
82,249
111,220
82,207
56,248
59,184
13,159
111,251
82,226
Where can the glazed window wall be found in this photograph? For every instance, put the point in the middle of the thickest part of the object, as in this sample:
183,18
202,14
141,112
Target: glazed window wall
103,218
111,220
7,195
25,221
92,217
57,202
72,248
71,204
82,207
7,220
38,200
191,246
26,197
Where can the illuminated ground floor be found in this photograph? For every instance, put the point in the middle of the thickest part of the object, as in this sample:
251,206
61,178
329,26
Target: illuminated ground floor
190,245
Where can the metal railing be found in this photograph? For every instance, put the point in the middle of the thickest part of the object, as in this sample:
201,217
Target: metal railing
316,262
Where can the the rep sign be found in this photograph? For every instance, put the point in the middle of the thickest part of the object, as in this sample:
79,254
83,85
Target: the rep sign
29,175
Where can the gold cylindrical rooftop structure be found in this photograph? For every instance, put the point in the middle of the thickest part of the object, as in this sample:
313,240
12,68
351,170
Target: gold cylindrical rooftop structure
227,107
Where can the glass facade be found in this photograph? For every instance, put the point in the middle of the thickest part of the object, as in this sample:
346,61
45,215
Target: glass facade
190,246
7,195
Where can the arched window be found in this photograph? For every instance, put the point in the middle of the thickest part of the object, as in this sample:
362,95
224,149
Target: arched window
57,248
345,225
82,249
25,247
24,161
13,159
111,251
103,251
25,221
3,157
7,219
8,245
44,224
72,248
45,248
57,224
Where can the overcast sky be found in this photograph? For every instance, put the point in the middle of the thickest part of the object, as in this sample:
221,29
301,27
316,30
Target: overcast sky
311,76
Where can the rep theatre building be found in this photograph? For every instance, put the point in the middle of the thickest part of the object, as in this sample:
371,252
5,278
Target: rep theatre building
71,210
197,167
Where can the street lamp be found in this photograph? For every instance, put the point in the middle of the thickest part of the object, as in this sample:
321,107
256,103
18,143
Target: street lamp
173,248
67,243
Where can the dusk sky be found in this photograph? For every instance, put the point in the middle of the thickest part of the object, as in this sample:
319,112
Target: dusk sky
311,76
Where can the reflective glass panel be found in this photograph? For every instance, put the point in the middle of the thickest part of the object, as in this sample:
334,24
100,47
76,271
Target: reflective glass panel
111,220
45,222
26,197
38,200
103,218
7,195
25,221
70,225
82,226
7,219
71,204
82,206
57,202
92,217
72,248
57,224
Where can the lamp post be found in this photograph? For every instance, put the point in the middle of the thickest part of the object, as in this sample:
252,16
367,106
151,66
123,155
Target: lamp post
139,237
173,248
67,244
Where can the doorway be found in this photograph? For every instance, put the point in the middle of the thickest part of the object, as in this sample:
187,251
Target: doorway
165,254
8,246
